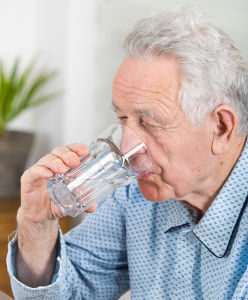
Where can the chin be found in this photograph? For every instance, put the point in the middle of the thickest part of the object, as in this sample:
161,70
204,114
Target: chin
149,190
156,191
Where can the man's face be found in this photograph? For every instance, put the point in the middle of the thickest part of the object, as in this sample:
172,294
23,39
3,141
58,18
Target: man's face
145,96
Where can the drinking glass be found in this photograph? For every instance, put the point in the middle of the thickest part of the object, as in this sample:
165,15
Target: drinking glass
116,158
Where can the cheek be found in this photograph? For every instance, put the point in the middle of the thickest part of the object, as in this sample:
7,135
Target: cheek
195,161
181,156
185,158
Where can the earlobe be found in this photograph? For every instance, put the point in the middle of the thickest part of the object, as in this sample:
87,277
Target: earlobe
225,120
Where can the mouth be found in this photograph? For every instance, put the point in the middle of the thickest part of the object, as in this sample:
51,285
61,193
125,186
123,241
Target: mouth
147,176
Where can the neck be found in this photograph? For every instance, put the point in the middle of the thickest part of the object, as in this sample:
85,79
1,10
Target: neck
202,199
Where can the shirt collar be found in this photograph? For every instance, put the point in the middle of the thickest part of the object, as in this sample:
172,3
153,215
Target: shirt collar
177,214
217,225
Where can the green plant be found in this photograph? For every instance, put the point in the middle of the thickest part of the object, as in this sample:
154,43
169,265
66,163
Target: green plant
20,90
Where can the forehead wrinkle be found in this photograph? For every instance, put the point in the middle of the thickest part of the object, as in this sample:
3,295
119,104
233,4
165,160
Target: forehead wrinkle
148,87
126,91
156,110
164,99
154,107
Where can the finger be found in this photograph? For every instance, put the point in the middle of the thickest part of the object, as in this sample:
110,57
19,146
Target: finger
91,209
69,157
35,173
54,163
56,211
79,148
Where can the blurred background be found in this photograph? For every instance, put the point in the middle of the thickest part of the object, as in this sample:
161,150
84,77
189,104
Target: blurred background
81,39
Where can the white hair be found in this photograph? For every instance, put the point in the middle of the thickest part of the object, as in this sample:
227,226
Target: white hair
214,70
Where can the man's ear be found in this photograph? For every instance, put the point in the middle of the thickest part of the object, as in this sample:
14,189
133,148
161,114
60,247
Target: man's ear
225,122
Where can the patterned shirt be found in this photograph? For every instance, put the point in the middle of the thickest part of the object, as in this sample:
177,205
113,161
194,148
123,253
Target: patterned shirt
157,250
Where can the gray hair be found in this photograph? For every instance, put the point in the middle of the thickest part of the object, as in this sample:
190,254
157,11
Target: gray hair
214,70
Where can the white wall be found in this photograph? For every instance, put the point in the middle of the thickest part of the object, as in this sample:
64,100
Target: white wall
81,39
28,28
80,85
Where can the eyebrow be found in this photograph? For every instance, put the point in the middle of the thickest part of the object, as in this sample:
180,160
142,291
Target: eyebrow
148,113
151,114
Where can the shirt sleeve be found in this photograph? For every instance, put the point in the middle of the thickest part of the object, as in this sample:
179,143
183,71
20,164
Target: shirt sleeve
92,258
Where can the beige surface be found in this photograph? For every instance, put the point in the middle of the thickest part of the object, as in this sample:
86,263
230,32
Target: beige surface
126,296
4,296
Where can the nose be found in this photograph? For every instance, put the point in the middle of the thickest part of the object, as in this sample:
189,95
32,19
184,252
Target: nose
134,151
130,142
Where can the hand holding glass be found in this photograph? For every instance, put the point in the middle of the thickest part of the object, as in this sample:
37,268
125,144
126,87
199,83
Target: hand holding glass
116,158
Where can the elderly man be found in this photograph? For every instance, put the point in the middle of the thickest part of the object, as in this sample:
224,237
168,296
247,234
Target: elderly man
183,88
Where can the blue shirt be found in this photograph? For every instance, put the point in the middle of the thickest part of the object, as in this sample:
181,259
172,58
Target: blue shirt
155,249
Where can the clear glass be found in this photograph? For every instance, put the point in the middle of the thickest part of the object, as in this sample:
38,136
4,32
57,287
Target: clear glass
116,158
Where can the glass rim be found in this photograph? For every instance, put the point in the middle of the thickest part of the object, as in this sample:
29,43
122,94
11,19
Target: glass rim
119,126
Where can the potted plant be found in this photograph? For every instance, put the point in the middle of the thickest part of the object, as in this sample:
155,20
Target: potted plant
19,91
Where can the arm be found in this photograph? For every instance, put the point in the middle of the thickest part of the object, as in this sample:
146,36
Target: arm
90,263
36,254
92,258
37,217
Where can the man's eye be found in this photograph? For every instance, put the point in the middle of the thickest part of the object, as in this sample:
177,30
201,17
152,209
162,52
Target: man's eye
153,129
151,126
122,119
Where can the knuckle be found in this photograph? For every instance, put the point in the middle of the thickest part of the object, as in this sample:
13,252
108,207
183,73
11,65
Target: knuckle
72,145
56,161
43,159
28,174
57,164
23,177
78,148
25,174
76,145
57,149
60,150
71,155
